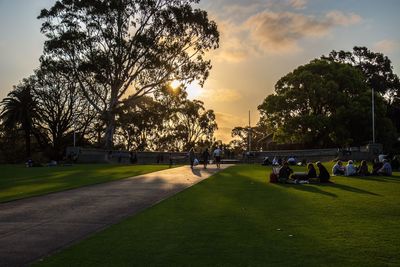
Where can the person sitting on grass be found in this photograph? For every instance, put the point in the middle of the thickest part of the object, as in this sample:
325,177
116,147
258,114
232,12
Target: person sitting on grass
386,169
395,163
312,173
323,173
284,173
303,177
266,161
376,166
363,170
291,160
338,168
350,169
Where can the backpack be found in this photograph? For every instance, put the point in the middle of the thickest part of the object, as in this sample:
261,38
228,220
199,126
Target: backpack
273,178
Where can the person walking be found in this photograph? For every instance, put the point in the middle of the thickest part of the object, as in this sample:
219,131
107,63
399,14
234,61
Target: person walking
206,157
217,156
192,156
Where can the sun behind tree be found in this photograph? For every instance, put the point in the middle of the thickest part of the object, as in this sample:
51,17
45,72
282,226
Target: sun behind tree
175,84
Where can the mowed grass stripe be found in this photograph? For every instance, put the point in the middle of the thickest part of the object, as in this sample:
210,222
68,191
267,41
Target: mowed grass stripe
231,219
17,181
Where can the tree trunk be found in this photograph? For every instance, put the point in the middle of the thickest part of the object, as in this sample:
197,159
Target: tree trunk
110,128
28,143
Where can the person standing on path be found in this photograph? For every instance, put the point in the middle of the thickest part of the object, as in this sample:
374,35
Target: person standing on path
206,157
217,156
192,156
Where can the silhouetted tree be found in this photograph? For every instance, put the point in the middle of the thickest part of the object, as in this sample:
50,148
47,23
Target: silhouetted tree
378,70
62,108
19,111
324,103
376,67
167,122
128,47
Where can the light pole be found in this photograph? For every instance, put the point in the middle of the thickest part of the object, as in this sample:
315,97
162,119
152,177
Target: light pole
373,115
249,134
74,138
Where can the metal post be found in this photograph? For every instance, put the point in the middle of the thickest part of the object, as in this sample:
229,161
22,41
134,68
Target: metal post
373,116
249,134
74,138
74,130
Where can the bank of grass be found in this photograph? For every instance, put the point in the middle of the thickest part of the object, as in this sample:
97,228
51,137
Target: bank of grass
17,181
237,218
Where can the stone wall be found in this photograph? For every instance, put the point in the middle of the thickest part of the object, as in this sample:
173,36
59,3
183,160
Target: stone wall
91,155
368,152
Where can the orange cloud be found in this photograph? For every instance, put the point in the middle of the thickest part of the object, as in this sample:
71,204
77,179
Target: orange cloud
273,32
220,95
226,122
232,47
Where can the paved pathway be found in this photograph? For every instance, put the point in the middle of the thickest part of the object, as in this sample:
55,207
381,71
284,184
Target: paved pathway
35,227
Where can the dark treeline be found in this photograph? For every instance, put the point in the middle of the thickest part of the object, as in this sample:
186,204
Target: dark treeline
327,103
39,117
104,80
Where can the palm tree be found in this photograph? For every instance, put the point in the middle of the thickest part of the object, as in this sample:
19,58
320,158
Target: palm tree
19,111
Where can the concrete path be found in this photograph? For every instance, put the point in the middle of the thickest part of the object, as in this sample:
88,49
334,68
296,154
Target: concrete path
35,227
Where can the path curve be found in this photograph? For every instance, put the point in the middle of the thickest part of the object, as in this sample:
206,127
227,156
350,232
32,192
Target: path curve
34,227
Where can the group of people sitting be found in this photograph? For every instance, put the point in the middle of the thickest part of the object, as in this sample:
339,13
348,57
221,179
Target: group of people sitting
286,175
379,168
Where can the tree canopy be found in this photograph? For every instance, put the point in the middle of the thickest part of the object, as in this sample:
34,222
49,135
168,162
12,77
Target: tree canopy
322,104
120,48
20,111
376,67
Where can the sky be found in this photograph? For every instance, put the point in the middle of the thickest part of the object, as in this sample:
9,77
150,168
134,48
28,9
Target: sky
261,41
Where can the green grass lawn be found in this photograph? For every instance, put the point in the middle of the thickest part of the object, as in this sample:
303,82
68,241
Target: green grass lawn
17,181
232,219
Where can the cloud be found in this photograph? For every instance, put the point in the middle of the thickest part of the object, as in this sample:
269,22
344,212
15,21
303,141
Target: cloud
272,27
281,31
339,18
221,95
278,32
298,4
238,12
230,120
232,46
386,46
226,122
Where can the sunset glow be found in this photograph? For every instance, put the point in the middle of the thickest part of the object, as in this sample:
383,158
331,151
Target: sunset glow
260,42
194,91
175,84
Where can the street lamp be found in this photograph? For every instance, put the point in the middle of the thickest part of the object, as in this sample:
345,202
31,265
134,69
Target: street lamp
249,134
373,115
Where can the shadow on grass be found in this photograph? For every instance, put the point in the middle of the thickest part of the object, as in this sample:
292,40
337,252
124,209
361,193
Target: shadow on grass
316,188
395,178
309,188
349,188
